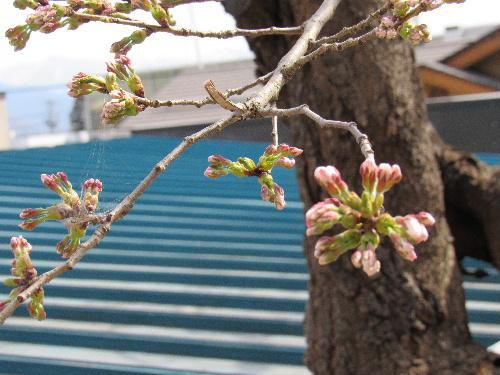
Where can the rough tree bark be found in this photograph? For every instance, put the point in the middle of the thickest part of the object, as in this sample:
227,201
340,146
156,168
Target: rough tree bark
410,319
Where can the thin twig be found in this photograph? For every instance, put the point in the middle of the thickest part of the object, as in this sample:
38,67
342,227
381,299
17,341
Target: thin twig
352,127
274,132
199,103
182,31
352,30
338,47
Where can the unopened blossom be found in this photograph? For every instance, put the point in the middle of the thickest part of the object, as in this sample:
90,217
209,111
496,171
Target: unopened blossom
280,155
364,220
71,242
414,230
218,161
162,15
124,45
122,69
212,172
274,156
274,194
405,248
18,36
35,216
91,189
24,273
71,207
329,248
84,84
285,162
388,176
121,106
35,306
60,184
47,18
366,259
368,171
329,178
323,216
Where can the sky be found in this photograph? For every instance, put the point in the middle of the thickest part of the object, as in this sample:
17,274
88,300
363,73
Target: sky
38,72
54,58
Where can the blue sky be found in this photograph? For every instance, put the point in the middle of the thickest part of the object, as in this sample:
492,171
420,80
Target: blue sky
53,59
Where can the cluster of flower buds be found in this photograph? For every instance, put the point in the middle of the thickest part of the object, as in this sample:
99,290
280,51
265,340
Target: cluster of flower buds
395,23
362,218
387,28
121,106
47,18
123,103
18,36
274,156
122,70
72,206
416,34
84,84
23,274
91,190
33,217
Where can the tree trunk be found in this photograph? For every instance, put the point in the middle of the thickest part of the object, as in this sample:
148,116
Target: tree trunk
411,319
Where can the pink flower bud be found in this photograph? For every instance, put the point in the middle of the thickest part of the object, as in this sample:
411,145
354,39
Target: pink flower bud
329,178
218,160
368,172
30,225
285,162
49,181
322,216
414,230
356,258
18,36
405,249
212,172
91,189
287,150
388,22
426,218
371,266
279,197
15,242
271,150
274,195
388,176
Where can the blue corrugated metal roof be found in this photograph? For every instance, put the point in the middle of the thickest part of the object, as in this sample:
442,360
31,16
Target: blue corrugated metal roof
193,280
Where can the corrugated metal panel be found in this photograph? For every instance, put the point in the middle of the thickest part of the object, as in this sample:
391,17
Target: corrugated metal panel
193,281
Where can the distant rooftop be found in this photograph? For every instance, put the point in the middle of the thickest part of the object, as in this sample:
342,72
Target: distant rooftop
188,83
452,41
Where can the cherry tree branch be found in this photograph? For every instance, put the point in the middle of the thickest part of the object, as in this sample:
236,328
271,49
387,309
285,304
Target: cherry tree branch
352,127
253,107
154,103
355,29
182,31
